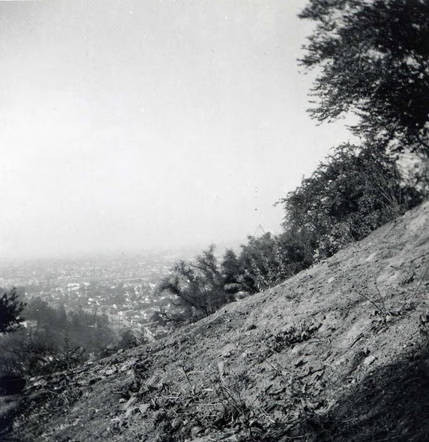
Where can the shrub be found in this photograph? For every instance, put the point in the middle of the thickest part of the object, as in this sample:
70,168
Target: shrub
10,311
197,286
351,194
356,190
263,263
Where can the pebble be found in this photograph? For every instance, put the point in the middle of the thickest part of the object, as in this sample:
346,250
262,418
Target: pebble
369,360
195,431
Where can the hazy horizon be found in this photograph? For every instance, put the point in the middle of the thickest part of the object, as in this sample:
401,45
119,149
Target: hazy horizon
130,126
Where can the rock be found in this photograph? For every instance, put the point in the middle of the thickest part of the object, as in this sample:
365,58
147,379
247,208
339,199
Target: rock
299,362
369,360
196,430
227,350
316,366
110,371
143,408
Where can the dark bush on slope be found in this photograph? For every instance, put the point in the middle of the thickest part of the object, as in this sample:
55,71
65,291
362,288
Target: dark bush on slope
197,287
10,311
348,196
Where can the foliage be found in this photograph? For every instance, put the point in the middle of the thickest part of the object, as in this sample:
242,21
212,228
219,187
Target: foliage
355,191
267,260
372,58
231,271
202,286
198,286
130,339
298,249
28,353
262,263
88,330
10,311
53,340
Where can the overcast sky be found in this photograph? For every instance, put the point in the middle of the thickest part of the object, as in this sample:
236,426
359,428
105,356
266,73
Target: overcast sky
130,125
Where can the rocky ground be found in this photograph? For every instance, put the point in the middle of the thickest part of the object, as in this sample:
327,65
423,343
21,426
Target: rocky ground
338,352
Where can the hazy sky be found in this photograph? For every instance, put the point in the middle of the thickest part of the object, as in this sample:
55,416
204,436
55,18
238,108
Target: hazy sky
136,124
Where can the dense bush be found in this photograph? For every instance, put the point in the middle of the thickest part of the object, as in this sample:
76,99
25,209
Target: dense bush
197,286
352,193
10,311
262,263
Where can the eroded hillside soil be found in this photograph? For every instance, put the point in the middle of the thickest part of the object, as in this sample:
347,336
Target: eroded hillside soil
338,352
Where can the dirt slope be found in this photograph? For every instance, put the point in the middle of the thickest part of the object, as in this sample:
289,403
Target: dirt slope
338,352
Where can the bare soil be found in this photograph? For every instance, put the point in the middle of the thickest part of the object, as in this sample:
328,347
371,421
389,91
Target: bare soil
338,352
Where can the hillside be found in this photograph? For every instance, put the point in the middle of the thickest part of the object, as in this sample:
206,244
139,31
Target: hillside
338,352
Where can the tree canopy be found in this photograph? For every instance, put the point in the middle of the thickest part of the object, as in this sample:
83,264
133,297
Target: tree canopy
373,60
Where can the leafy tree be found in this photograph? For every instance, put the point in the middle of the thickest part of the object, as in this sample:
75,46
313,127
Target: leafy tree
297,247
231,272
262,262
10,310
198,286
355,191
372,58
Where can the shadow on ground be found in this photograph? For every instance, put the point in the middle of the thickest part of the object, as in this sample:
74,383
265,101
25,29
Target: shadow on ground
392,403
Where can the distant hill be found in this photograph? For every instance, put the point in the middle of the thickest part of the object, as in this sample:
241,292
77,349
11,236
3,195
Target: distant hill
338,352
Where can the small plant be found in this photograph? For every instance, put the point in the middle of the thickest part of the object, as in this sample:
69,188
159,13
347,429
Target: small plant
378,302
292,335
383,314
242,418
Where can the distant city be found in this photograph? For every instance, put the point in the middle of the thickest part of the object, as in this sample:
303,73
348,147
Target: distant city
119,286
